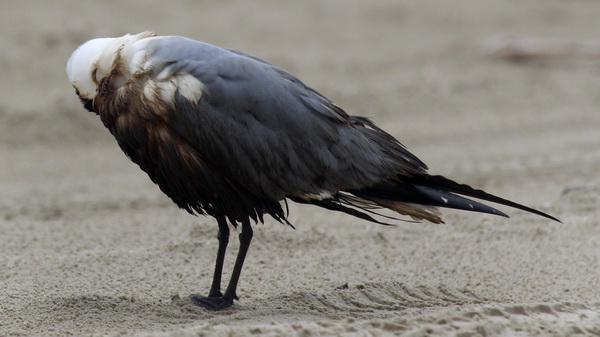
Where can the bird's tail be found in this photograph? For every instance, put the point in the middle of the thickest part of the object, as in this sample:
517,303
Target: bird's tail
419,197
430,184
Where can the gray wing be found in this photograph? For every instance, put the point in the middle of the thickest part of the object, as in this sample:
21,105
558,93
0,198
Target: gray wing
266,130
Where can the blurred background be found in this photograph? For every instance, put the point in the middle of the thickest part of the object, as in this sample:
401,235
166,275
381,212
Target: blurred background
522,123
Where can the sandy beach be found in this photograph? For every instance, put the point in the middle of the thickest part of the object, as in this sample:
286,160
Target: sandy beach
90,246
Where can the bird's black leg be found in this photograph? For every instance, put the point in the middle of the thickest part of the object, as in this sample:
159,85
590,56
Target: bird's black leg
224,301
215,289
245,239
223,237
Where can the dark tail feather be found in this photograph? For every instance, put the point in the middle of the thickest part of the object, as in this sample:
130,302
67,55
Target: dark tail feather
445,199
416,196
334,205
438,187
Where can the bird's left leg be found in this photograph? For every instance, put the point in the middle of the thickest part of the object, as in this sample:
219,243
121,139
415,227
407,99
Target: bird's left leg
215,289
223,237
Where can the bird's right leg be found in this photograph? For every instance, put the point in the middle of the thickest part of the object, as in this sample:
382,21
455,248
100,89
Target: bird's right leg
215,289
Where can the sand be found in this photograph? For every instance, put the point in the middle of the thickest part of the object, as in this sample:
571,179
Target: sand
89,246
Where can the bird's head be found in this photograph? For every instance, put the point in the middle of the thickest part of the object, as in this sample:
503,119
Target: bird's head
93,61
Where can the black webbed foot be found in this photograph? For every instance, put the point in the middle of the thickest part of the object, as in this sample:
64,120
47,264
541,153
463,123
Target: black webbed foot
212,303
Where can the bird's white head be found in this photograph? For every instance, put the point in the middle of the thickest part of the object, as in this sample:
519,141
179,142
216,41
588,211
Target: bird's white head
94,60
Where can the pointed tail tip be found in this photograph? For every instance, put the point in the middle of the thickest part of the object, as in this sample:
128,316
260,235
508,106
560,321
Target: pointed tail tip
548,216
500,213
530,210
534,211
496,211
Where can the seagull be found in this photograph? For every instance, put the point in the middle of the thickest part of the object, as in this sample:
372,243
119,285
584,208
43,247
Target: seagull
228,135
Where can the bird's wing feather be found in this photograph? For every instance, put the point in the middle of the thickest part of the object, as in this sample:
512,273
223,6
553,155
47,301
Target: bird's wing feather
267,130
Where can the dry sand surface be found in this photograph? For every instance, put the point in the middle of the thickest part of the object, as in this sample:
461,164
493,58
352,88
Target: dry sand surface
89,246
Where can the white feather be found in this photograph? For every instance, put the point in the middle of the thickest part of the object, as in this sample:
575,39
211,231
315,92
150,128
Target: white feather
95,59
81,64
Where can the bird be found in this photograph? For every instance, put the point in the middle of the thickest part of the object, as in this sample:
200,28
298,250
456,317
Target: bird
228,135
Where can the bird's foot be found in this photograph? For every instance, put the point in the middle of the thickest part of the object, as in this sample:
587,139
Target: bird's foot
216,303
